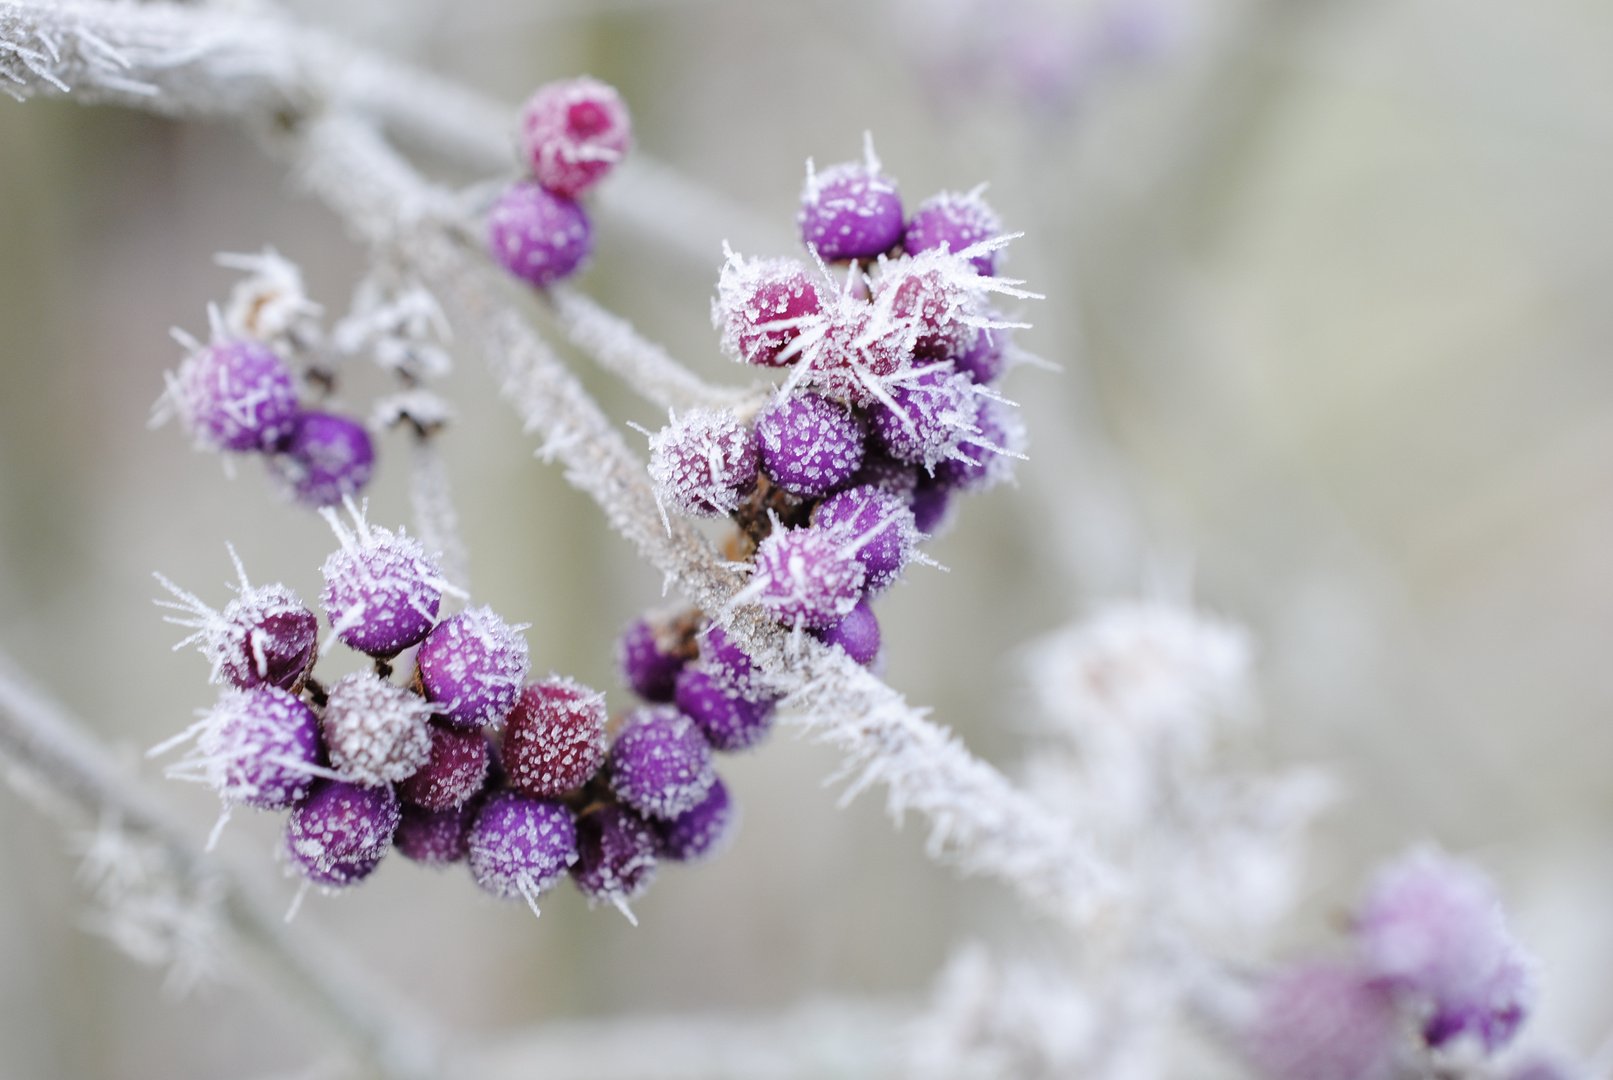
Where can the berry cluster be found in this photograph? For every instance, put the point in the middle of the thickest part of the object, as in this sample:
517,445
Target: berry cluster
572,134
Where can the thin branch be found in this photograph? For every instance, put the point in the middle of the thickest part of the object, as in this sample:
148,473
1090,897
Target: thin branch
435,520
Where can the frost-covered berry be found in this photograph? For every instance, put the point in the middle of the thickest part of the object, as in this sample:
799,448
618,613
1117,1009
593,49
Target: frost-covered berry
234,395
986,355
986,458
616,860
857,633
954,221
703,463
554,738
1323,1021
933,413
259,747
660,764
453,773
850,211
859,349
472,666
932,294
521,846
649,667
732,667
538,236
728,720
335,876
932,498
876,526
762,307
326,458
342,823
1432,928
880,470
810,445
703,831
574,132
804,578
435,837
381,592
377,733
264,637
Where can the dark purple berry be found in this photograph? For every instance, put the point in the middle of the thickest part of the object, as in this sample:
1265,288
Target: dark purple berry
703,463
327,457
455,771
931,500
342,823
376,732
850,211
660,764
931,294
810,445
554,738
986,355
804,578
264,637
954,221
857,633
729,720
731,667
574,132
472,666
435,837
235,395
877,526
538,236
521,846
651,672
616,851
703,831
762,307
258,747
381,592
933,413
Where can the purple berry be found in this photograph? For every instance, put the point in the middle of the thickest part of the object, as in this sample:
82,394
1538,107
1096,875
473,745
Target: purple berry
880,470
931,500
615,856
472,666
877,526
954,221
650,671
731,667
554,739
810,445
857,633
986,458
521,846
762,307
342,823
258,747
703,831
703,464
573,133
376,732
326,458
454,772
1323,1022
850,211
381,592
537,236
660,764
336,876
235,395
264,637
985,357
804,577
729,721
435,837
931,294
859,350
933,413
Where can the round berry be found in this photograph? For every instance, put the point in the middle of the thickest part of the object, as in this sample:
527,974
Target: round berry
336,876
554,738
258,747
615,855
472,666
732,667
381,592
646,666
538,236
1323,1022
762,307
573,133
703,831
660,764
810,445
877,526
264,637
850,211
728,720
327,457
704,463
931,294
376,732
435,837
521,846
454,772
986,458
342,823
954,221
803,578
933,413
235,395
857,633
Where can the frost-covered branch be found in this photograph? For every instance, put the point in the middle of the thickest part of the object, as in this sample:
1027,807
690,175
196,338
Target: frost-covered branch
435,519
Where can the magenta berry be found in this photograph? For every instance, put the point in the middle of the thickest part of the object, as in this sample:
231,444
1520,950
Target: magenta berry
259,747
857,633
954,221
435,837
376,733
342,823
472,666
850,211
762,307
933,413
521,846
931,294
264,637
554,738
538,236
810,445
985,458
235,395
804,577
660,764
1323,1022
381,592
728,720
616,851
703,463
453,773
573,133
645,666
877,526
860,348
703,831
326,458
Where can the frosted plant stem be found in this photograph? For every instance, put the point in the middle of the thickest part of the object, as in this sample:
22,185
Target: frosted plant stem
435,520
39,736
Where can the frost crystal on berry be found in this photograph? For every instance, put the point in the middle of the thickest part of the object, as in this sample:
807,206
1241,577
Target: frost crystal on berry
435,837
259,747
810,445
646,665
986,458
934,294
729,720
376,732
851,210
521,846
326,458
332,877
554,738
762,307
703,831
954,221
454,772
615,856
573,133
731,667
804,577
473,666
704,463
1323,1022
660,764
232,395
264,637
537,236
381,592
876,526
928,416
855,351
342,823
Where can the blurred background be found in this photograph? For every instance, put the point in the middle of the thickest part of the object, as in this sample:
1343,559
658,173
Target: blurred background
1328,281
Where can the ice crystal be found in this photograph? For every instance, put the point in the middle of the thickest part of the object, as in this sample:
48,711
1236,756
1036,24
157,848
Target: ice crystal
397,326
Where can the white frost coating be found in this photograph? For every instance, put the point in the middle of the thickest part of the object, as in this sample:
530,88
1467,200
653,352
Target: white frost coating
377,733
270,304
396,324
703,463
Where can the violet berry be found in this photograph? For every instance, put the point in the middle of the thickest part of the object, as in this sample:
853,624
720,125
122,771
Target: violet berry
850,211
763,306
376,732
876,526
381,592
233,395
985,357
538,236
472,666
326,458
703,831
804,577
1323,1021
704,463
986,458
616,851
810,445
335,876
342,823
732,667
264,637
649,668
521,846
453,773
435,837
729,721
933,412
259,747
954,221
660,764
857,633
932,498
574,132
554,738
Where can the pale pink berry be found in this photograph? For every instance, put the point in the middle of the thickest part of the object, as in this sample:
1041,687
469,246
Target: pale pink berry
234,395
554,738
376,733
472,666
703,463
573,133
762,308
